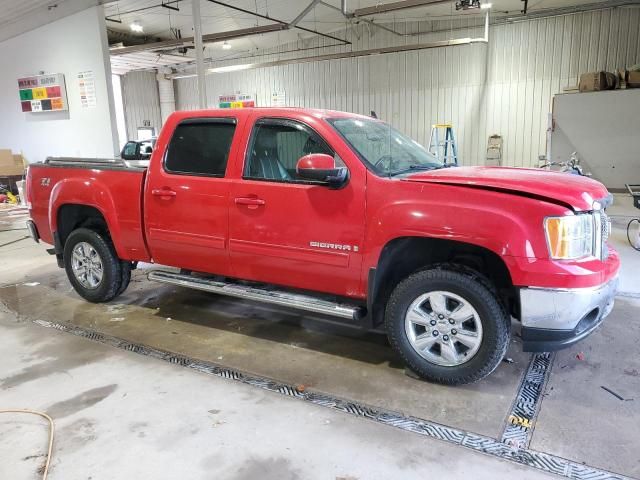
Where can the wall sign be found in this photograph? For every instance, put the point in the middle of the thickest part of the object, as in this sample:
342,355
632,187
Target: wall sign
43,93
87,86
278,99
236,100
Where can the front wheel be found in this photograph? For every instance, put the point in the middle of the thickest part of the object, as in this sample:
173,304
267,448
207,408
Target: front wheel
448,326
92,266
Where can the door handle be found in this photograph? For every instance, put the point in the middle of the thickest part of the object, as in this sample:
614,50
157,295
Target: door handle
163,192
250,201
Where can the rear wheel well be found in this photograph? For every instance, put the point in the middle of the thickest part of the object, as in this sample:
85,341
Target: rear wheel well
71,217
406,255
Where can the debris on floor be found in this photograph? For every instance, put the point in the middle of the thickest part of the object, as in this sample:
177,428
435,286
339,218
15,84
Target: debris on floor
618,396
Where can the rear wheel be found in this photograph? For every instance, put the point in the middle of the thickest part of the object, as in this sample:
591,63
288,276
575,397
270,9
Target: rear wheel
92,266
125,277
448,326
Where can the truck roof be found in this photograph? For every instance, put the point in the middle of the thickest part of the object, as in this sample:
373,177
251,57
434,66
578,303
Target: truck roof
277,111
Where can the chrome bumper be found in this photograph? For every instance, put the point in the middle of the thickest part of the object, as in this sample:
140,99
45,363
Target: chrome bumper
556,318
563,309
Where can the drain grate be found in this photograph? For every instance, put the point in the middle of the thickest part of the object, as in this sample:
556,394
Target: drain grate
479,443
525,408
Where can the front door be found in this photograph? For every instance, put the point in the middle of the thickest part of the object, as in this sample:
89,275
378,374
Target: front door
286,231
187,195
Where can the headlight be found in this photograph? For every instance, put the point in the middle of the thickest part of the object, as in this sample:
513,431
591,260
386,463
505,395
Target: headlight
569,237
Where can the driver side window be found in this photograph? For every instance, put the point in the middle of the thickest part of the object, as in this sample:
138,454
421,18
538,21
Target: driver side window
276,146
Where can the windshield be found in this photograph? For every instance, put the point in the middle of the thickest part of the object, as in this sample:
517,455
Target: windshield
387,151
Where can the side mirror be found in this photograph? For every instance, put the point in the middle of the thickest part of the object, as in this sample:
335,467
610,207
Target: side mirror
321,168
130,151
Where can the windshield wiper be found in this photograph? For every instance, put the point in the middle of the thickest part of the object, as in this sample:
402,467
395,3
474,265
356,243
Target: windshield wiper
421,167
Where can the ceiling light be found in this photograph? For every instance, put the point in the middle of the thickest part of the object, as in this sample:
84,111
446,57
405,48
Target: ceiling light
485,6
136,27
226,46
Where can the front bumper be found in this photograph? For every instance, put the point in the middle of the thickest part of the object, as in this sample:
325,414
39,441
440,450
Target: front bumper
556,318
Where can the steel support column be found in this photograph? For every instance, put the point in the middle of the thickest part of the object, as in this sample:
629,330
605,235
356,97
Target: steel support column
197,38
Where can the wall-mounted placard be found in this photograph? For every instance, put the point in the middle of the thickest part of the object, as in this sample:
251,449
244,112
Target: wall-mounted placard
278,99
87,87
236,100
43,93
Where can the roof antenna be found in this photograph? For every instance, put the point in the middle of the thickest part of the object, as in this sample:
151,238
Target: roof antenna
373,114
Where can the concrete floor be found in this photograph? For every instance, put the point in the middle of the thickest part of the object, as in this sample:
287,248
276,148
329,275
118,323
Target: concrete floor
120,415
101,396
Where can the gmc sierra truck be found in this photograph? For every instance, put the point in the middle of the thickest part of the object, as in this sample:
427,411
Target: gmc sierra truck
343,215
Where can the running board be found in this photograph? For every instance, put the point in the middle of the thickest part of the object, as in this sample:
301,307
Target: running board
277,297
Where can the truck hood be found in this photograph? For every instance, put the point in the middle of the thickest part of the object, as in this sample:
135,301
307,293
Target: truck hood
574,191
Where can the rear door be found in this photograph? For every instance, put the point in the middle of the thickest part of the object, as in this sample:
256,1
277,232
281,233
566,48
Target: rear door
287,231
187,195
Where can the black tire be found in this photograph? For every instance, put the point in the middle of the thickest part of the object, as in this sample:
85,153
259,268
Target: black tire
125,277
111,282
496,324
631,232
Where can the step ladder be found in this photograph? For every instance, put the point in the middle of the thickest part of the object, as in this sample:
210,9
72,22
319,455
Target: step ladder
446,150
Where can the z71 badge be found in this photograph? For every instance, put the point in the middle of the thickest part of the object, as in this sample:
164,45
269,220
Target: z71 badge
334,246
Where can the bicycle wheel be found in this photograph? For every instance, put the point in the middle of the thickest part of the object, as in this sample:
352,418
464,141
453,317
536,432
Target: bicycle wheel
633,233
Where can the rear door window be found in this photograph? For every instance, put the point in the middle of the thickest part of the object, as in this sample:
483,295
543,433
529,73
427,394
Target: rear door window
200,147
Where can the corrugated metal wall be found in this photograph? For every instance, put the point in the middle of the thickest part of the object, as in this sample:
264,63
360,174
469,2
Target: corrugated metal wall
141,101
502,88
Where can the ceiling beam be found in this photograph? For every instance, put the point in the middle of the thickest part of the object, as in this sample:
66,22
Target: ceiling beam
209,38
304,13
337,56
395,6
286,24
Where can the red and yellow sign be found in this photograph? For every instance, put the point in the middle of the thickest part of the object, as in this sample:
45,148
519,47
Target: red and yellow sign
236,100
43,93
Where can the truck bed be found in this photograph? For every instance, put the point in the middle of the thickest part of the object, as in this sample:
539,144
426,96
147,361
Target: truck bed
109,185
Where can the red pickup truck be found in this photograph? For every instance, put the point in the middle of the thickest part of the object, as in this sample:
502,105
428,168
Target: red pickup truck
343,215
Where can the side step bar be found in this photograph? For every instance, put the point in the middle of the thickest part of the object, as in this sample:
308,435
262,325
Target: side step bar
277,297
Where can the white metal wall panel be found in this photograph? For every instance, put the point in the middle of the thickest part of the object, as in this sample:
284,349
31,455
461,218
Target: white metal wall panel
141,101
502,88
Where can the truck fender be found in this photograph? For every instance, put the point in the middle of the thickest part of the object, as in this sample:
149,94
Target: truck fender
91,193
514,230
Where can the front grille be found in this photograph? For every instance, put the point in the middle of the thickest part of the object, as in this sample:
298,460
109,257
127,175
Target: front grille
605,225
602,229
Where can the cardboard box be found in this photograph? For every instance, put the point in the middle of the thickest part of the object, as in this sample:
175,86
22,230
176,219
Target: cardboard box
633,79
594,81
10,164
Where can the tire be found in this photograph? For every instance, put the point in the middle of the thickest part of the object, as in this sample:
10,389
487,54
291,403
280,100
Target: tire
633,227
111,280
423,292
125,277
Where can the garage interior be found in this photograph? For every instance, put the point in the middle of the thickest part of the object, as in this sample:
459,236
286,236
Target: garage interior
166,381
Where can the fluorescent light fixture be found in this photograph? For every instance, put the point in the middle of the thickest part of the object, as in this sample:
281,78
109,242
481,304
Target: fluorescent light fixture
226,46
485,6
231,68
136,27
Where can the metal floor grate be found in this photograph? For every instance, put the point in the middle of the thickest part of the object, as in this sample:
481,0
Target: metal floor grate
525,408
479,443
